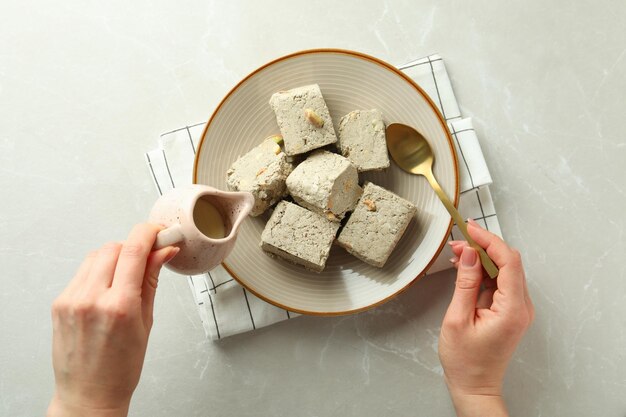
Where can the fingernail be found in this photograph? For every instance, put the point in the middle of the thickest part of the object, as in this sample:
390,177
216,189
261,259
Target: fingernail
171,255
456,244
454,260
473,222
468,257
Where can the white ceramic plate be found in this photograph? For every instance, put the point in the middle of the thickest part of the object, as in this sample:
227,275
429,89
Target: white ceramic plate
349,81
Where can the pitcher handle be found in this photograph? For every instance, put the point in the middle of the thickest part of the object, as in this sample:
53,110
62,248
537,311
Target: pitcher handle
169,237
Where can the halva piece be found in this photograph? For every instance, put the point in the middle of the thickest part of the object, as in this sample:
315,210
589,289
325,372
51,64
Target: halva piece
377,224
299,236
326,183
303,119
262,172
361,139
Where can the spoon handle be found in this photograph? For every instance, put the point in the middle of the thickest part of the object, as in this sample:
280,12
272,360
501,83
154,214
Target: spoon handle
486,261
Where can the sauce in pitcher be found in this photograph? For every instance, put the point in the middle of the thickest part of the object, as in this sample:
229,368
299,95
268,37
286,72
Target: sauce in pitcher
208,219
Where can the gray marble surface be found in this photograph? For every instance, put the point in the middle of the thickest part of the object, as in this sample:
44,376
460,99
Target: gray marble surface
86,87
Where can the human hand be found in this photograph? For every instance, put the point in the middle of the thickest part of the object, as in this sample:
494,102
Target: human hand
101,323
481,329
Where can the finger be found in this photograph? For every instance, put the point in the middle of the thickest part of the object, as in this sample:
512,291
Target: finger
457,242
496,248
457,250
469,277
488,283
103,267
151,280
131,266
81,274
511,276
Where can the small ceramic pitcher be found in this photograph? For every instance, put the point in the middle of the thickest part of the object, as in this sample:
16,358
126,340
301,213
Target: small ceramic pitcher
199,253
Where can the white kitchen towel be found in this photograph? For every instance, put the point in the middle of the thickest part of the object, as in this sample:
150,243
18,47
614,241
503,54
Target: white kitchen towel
225,307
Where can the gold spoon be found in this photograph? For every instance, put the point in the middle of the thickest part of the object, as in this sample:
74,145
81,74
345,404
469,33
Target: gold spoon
410,150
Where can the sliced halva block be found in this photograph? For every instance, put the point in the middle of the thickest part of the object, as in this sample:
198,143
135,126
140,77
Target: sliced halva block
326,183
299,236
263,172
303,119
361,139
377,224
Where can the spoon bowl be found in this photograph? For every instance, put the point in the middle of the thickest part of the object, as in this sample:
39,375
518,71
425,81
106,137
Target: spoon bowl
412,153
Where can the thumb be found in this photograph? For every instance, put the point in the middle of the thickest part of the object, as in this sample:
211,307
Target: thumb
468,280
151,280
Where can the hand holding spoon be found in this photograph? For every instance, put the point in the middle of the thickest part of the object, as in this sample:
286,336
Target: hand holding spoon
410,150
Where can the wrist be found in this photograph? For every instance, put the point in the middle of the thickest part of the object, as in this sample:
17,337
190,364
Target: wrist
59,408
478,405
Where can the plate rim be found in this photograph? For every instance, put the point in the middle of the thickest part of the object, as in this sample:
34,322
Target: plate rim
439,116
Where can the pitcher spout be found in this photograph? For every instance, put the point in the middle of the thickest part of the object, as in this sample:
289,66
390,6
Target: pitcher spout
241,204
